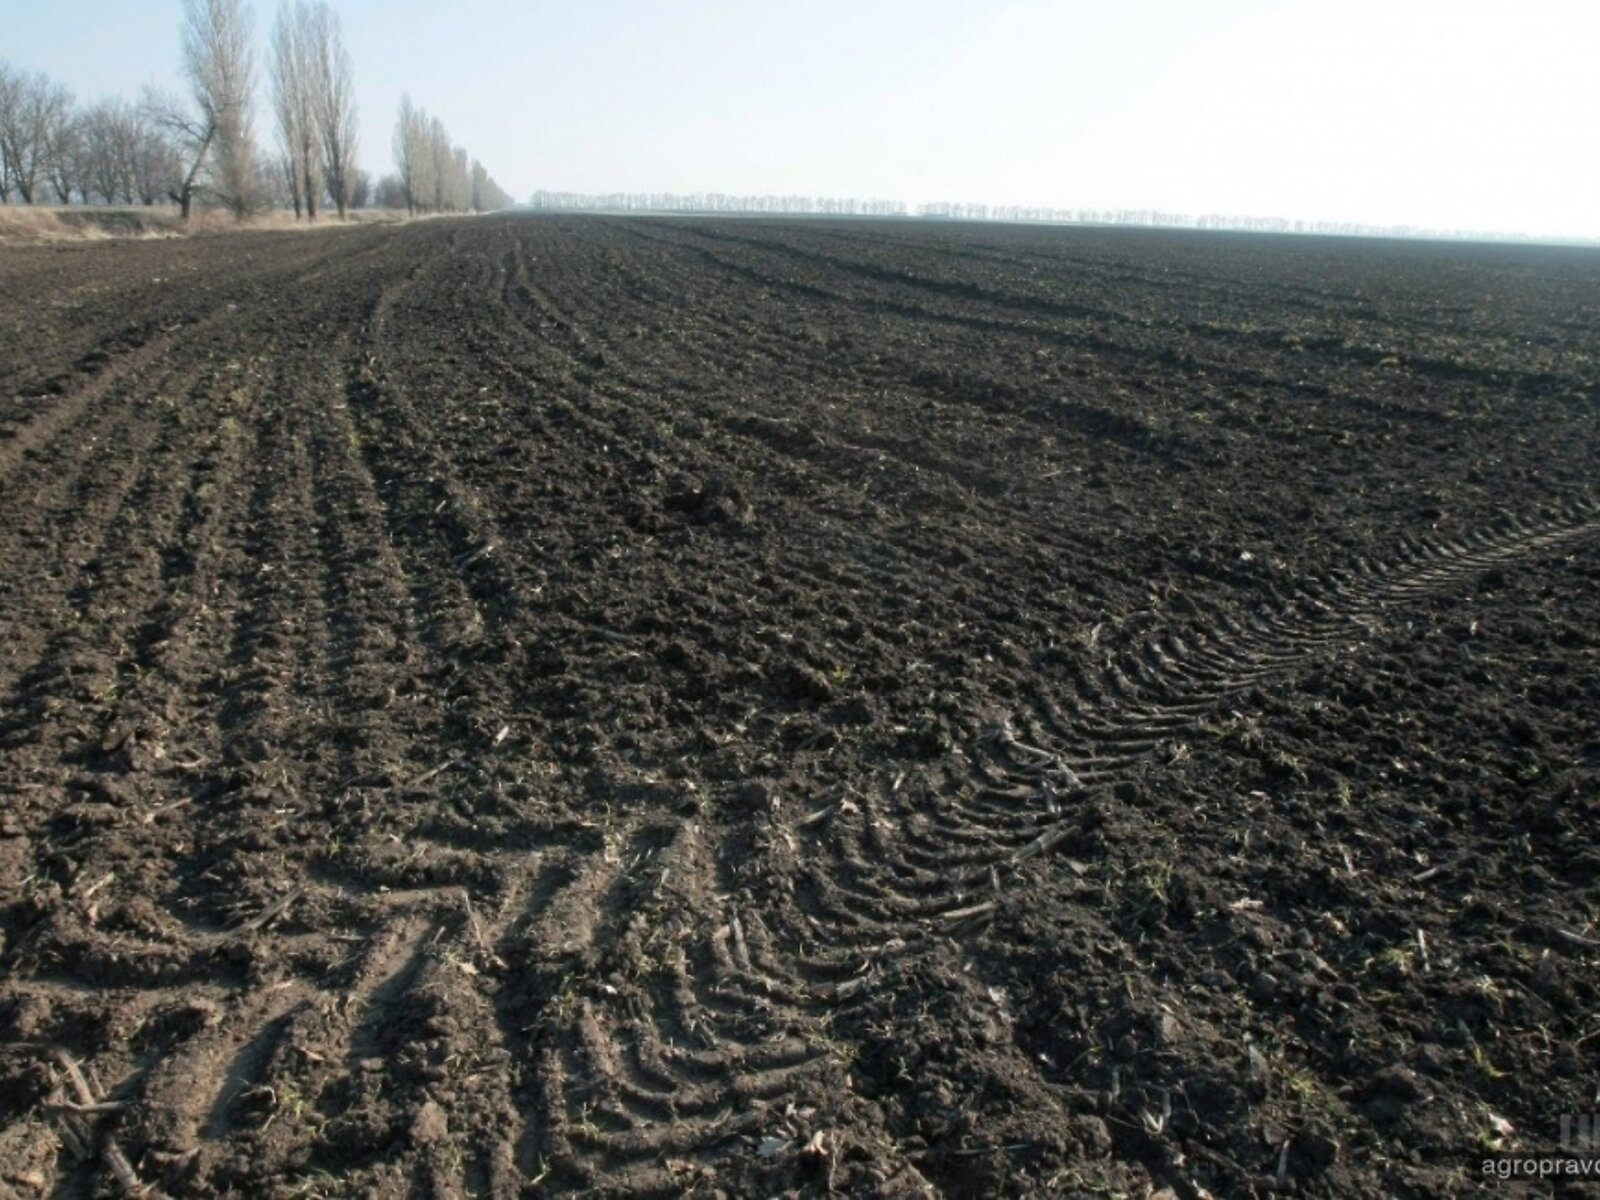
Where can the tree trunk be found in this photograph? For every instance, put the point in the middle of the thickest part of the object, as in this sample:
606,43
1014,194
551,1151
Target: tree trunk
307,163
186,199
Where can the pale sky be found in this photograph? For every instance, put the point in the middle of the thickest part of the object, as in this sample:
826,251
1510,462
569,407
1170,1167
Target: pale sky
1448,114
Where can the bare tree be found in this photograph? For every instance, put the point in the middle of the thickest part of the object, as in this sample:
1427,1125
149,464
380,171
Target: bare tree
490,196
155,166
191,135
411,154
333,101
390,192
294,105
57,118
438,164
31,110
220,70
460,181
64,157
10,86
360,189
270,188
480,180
106,142
285,82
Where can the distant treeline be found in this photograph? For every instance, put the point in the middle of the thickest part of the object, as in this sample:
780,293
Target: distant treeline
721,202
714,202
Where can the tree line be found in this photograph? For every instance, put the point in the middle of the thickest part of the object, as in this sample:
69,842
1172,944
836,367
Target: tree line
434,175
943,210
714,202
199,145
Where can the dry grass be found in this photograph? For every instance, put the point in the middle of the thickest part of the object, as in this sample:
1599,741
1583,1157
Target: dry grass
18,223
48,223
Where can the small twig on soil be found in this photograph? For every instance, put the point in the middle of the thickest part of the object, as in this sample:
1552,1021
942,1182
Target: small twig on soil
740,951
76,1077
1068,775
816,818
366,779
429,774
956,916
1433,872
468,559
272,911
1577,939
1047,755
475,932
845,990
115,1159
1049,760
977,1151
94,887
1019,792
1045,841
150,817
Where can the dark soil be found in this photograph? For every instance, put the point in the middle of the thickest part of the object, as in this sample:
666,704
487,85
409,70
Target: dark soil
740,708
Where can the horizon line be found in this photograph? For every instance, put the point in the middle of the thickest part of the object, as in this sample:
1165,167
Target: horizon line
705,203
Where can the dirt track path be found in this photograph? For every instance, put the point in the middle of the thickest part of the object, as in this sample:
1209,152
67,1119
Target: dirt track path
655,706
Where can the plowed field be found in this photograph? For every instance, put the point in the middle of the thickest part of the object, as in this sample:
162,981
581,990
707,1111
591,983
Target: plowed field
531,705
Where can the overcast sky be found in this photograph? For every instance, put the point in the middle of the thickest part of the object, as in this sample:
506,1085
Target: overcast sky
1462,114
